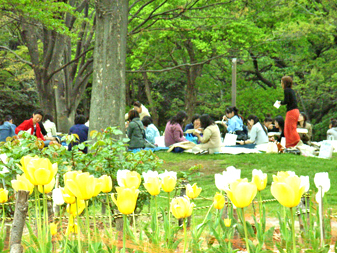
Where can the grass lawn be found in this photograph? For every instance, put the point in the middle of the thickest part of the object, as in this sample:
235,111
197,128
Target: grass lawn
268,163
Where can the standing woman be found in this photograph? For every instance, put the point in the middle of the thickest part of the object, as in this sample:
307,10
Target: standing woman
290,126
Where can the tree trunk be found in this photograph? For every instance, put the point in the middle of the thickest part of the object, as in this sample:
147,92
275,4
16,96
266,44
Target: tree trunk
108,89
21,208
153,108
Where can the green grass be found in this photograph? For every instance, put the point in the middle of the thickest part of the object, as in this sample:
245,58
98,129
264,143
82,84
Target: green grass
268,163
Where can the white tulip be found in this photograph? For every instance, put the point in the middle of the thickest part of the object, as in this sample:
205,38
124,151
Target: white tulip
57,197
305,182
322,181
230,175
167,174
121,174
291,173
149,174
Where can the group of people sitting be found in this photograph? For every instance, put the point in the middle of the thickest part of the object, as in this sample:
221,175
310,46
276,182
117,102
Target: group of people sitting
42,126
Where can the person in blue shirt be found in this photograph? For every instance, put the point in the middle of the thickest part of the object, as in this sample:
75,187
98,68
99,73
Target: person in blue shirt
81,130
232,121
7,129
151,131
195,123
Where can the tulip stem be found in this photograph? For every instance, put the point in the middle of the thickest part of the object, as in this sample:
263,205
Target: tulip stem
210,208
37,212
109,210
169,220
260,207
45,224
124,233
155,203
78,225
245,229
293,229
185,235
95,232
3,219
88,224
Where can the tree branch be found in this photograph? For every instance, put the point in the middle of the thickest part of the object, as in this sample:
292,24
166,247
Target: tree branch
17,56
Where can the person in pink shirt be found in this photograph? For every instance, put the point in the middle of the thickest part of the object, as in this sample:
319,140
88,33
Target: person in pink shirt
174,132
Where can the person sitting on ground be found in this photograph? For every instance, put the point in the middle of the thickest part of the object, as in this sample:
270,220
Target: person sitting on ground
195,123
49,125
258,134
141,109
7,129
174,132
278,127
81,130
211,139
332,132
233,123
302,123
31,125
268,123
135,131
151,131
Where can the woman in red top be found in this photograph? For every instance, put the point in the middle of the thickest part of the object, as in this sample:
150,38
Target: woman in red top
290,125
32,125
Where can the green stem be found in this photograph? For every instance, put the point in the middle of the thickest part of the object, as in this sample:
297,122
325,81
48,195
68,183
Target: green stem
45,224
207,213
37,212
109,210
134,222
95,232
169,219
157,232
88,224
245,229
293,229
185,235
3,219
78,227
260,206
124,233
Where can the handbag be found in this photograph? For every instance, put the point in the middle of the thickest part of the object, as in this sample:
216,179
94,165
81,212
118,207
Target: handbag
242,136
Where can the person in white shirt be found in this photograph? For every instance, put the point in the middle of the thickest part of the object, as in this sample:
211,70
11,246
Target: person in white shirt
258,134
49,125
141,109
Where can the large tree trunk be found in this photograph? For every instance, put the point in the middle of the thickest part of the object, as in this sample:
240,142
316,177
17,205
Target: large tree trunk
108,89
153,108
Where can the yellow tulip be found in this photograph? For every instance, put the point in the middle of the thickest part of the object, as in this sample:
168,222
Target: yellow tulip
153,185
241,193
81,186
48,187
259,179
106,183
181,207
289,192
39,171
53,228
219,201
132,179
71,208
71,175
281,176
168,183
98,187
22,183
72,227
3,195
126,199
227,222
193,191
69,199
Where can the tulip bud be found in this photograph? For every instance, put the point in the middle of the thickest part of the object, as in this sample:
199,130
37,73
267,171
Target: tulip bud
126,199
48,187
193,191
53,228
227,222
259,179
152,185
219,201
22,183
241,193
57,197
106,183
3,195
168,180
